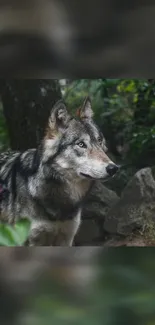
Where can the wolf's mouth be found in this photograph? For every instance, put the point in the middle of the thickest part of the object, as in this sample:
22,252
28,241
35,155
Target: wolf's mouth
86,176
93,178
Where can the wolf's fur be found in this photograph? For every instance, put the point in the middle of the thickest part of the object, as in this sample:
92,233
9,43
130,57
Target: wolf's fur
49,184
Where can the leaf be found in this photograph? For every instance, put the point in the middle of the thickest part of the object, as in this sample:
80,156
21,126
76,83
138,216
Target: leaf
22,228
135,98
7,237
14,235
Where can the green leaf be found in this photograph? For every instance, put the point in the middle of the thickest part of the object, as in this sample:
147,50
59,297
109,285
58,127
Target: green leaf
14,235
22,228
7,237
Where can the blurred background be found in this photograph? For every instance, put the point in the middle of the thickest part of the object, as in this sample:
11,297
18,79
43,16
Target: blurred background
63,38
77,286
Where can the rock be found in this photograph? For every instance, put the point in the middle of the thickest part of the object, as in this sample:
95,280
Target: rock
99,201
136,207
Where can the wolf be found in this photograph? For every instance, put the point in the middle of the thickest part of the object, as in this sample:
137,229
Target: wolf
49,184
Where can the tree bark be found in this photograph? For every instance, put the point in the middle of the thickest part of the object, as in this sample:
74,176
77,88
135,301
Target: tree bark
27,105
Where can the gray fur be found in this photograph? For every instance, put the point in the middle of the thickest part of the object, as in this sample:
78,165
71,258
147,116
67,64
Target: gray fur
49,184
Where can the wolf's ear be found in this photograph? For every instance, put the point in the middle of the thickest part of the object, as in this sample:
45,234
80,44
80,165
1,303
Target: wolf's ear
59,117
86,112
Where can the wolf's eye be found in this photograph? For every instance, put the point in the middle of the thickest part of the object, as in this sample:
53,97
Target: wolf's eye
99,140
82,144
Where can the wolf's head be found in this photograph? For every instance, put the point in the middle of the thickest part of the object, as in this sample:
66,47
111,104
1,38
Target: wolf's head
76,145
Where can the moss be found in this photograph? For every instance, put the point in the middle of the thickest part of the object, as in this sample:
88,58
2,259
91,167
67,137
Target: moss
148,231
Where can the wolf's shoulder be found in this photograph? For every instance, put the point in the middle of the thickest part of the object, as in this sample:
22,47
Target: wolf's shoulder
8,155
26,163
11,155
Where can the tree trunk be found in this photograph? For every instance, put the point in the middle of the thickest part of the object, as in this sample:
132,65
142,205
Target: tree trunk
27,105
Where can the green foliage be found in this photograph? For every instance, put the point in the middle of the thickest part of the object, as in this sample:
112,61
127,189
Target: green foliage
14,235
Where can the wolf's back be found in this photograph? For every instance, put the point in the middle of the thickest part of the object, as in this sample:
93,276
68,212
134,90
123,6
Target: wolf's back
6,161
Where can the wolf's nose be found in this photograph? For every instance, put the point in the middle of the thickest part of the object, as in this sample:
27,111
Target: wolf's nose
112,169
